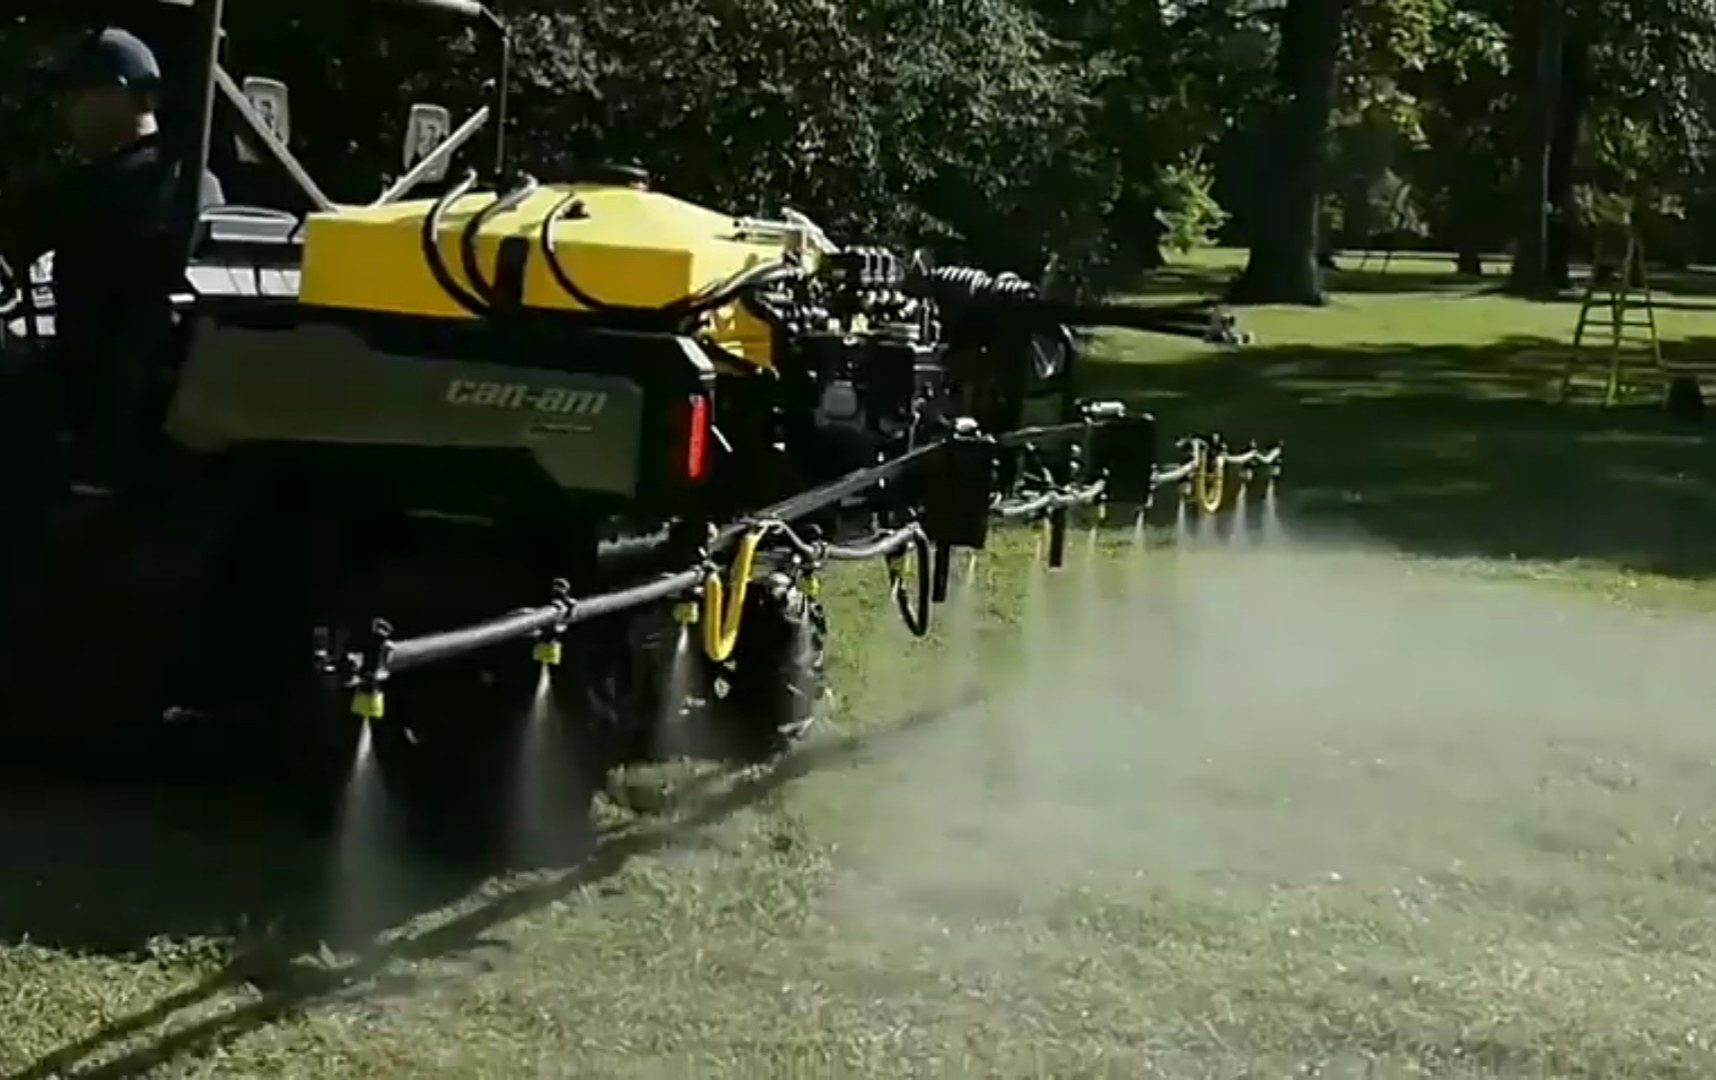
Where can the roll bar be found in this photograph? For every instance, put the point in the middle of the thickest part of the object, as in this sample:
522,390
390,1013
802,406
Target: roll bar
500,39
196,134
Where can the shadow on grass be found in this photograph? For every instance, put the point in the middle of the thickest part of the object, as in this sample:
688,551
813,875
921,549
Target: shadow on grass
169,842
1350,277
1685,290
1454,451
1687,299
287,982
162,868
1412,272
1700,283
107,870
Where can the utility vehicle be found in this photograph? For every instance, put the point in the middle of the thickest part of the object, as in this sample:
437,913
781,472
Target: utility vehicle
403,463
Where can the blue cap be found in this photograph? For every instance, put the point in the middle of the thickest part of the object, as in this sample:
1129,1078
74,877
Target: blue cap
112,57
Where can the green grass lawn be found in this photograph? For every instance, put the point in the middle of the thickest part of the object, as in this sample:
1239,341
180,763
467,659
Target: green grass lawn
1375,802
1424,416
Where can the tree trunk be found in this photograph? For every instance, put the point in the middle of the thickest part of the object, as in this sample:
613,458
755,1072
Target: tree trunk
1466,196
1282,266
1536,47
1570,106
1138,31
1152,230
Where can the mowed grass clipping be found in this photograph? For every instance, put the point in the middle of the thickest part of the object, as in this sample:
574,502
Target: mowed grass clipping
1372,800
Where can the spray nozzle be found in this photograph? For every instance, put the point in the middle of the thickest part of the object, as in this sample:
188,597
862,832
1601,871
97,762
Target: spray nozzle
550,647
369,700
549,651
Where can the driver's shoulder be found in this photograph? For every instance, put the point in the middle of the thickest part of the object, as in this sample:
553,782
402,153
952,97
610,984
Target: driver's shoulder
125,183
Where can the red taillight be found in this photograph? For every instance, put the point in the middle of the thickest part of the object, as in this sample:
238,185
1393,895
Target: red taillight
696,437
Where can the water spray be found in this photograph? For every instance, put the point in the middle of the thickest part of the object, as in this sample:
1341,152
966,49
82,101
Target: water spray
937,506
1239,534
367,840
546,766
679,705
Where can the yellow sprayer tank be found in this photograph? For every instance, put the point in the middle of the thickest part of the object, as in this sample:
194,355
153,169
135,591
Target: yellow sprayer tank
628,247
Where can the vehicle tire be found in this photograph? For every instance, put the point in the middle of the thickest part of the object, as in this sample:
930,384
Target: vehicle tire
776,680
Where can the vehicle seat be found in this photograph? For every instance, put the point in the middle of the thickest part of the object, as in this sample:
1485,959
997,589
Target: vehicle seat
251,251
234,222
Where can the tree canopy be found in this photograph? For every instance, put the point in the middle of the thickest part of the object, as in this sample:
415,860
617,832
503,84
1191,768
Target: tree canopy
1092,133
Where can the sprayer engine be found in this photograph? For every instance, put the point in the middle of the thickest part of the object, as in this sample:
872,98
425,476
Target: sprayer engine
863,361
883,352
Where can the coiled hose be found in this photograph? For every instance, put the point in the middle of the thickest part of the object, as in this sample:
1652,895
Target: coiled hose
914,612
968,282
723,614
914,605
1209,477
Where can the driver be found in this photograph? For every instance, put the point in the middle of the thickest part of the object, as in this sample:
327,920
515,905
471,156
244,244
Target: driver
106,220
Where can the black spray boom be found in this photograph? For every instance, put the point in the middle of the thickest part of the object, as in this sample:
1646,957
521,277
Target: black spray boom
1113,462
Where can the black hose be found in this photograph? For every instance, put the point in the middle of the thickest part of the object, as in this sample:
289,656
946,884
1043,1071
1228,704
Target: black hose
984,296
954,283
1049,501
450,644
427,238
879,547
915,616
464,9
1032,507
1185,470
710,297
557,269
433,648
887,545
664,588
725,292
765,314
480,284
805,503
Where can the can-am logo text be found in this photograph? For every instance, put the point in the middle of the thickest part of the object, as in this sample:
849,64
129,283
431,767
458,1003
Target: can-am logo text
557,400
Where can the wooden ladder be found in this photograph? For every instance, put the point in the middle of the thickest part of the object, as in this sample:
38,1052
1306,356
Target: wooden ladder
1617,312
